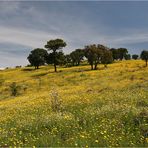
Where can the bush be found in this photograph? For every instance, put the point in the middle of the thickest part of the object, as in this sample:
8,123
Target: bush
56,102
14,89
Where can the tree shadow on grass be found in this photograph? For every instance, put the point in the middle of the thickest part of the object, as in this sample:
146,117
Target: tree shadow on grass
40,74
28,69
83,70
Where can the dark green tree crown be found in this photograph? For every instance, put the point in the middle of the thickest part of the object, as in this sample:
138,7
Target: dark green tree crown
55,44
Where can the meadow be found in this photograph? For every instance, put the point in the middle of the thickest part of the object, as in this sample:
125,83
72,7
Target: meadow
75,107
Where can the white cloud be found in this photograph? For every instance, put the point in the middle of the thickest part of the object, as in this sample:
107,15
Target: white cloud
26,37
35,38
31,26
131,38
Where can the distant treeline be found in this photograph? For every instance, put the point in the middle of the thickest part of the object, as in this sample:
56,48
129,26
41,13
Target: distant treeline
95,54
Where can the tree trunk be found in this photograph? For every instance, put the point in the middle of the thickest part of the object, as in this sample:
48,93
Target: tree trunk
78,63
95,66
55,68
91,66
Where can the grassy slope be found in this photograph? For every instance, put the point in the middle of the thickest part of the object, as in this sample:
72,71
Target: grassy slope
107,107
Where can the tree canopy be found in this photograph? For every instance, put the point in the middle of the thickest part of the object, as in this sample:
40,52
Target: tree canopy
127,56
94,53
37,57
55,46
144,56
60,58
77,56
106,57
120,53
97,54
135,56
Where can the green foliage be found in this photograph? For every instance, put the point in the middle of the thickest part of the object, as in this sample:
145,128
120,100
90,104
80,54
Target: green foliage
97,54
127,57
106,57
14,89
60,58
68,60
37,57
120,53
115,53
93,55
54,46
144,56
135,56
77,56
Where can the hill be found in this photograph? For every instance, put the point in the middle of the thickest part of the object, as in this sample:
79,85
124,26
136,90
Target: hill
75,106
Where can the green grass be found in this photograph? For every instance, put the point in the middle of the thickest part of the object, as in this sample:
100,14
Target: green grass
106,107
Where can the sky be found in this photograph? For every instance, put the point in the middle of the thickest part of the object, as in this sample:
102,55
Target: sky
26,25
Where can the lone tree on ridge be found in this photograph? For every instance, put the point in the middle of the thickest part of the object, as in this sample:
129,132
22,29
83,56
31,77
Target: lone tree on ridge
54,46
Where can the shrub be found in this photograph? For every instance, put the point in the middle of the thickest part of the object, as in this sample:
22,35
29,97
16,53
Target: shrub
14,88
56,102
